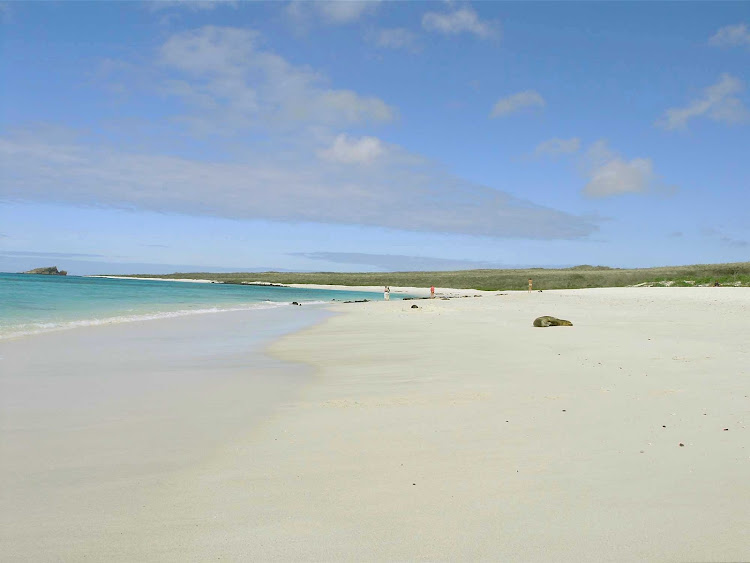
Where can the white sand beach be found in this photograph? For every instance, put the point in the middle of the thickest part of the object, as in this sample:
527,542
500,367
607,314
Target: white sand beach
453,431
185,280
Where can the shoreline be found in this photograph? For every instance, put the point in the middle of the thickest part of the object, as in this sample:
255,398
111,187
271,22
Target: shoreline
135,312
99,424
139,318
419,291
422,291
454,431
184,280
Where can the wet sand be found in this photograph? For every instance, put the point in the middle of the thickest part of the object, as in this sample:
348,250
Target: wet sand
97,423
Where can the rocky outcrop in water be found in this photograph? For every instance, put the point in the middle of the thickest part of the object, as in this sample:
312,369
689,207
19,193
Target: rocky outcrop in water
51,271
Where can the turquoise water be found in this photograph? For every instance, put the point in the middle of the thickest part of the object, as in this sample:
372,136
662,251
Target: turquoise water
31,303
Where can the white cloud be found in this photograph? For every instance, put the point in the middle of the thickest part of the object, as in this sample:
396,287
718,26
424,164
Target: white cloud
399,262
229,84
462,20
516,102
334,12
287,162
717,103
395,38
609,174
401,192
731,36
556,147
192,5
364,150
620,177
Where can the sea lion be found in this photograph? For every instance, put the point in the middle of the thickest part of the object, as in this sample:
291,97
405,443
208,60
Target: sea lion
551,321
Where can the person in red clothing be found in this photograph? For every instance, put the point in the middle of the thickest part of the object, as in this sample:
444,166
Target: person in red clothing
432,292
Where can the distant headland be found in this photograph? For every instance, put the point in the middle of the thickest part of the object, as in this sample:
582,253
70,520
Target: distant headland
51,271
735,274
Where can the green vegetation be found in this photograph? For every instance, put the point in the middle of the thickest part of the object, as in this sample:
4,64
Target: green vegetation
736,274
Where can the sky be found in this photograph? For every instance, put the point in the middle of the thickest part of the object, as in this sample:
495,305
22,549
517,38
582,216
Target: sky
153,137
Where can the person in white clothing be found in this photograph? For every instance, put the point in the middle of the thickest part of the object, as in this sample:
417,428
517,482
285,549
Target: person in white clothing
387,293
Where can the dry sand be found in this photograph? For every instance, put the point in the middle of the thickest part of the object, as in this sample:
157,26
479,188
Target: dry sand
457,431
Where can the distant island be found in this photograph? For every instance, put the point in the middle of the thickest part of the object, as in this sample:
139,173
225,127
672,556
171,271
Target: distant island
51,271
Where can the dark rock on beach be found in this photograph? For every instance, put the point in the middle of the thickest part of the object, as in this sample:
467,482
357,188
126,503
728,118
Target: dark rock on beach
550,321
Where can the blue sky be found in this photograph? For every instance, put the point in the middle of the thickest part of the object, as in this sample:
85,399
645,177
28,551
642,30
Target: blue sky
164,136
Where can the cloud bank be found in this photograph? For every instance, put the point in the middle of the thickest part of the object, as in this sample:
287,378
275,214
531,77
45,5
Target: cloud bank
296,160
400,193
398,262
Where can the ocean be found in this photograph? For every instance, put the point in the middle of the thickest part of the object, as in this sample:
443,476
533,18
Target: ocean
31,304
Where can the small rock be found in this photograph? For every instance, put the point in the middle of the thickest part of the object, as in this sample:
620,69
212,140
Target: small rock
726,430
414,307
682,445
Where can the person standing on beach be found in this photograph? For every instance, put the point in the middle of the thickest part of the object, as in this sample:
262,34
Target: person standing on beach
387,293
432,292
